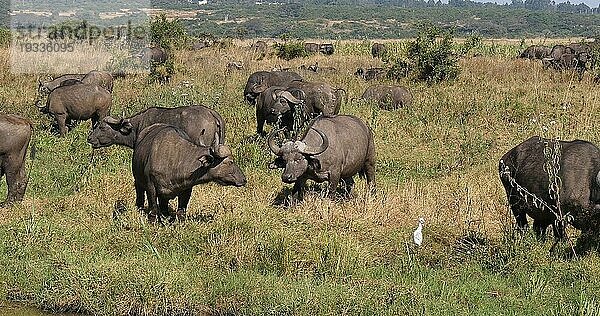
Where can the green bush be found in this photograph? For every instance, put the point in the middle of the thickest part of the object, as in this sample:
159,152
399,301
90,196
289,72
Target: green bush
290,50
430,58
168,34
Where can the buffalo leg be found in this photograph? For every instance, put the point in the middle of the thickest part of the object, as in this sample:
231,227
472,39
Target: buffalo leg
260,122
61,121
334,181
182,202
298,190
139,196
163,205
540,229
153,211
348,186
16,179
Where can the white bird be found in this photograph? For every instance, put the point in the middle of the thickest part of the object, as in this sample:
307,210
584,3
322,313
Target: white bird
418,233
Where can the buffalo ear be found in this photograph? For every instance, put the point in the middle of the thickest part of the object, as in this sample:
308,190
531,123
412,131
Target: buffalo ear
126,127
314,164
206,160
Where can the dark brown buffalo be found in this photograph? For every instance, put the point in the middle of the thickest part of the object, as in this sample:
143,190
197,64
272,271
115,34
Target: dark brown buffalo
15,134
371,73
326,49
378,50
261,80
311,48
579,193
536,52
167,164
558,50
327,153
78,101
275,105
200,123
569,61
388,97
318,97
580,48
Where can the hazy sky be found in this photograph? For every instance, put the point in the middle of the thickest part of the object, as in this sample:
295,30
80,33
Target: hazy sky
590,3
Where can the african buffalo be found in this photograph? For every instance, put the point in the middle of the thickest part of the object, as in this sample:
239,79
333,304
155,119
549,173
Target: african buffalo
378,50
524,177
200,123
569,61
273,105
536,52
15,134
558,50
167,164
318,97
311,48
388,97
153,55
326,49
326,153
78,101
261,80
371,73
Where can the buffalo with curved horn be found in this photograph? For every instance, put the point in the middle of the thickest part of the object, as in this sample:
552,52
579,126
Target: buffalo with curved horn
326,153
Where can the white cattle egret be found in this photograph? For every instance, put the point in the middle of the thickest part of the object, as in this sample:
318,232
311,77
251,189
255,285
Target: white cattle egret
418,234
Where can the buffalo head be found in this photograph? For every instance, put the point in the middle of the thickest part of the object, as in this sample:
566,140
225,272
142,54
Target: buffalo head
221,167
110,131
282,105
296,156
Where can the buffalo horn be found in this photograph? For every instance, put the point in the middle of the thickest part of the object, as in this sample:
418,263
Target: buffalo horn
310,150
223,151
288,96
598,178
111,120
272,145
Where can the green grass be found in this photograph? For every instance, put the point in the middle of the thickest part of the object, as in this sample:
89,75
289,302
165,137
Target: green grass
65,249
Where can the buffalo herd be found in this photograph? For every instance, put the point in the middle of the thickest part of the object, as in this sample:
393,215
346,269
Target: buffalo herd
175,149
574,56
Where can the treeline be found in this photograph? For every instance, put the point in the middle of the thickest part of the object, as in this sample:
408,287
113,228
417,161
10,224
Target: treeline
346,21
547,5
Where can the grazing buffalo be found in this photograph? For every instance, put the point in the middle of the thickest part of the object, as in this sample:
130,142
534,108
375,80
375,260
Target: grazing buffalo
388,97
524,177
101,78
44,88
327,153
318,97
371,73
200,123
275,105
536,52
261,80
311,48
558,50
15,134
77,101
580,48
569,61
167,164
378,50
326,49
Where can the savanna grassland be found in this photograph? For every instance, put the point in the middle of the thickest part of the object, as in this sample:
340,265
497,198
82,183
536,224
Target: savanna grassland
67,248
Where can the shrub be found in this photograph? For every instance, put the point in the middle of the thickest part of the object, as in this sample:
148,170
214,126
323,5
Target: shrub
290,50
168,34
430,58
474,41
